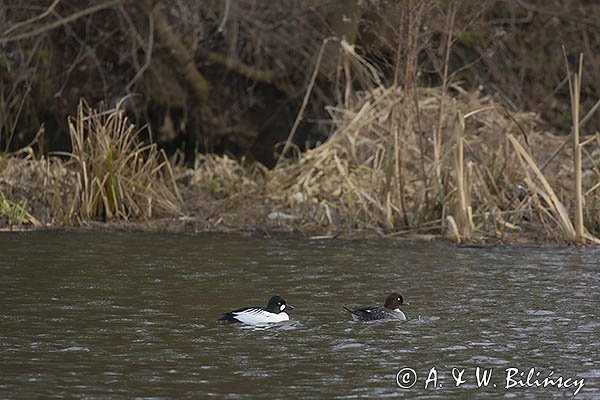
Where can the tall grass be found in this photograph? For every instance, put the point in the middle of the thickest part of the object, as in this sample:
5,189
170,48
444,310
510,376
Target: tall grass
461,227
539,186
118,176
486,183
574,91
582,236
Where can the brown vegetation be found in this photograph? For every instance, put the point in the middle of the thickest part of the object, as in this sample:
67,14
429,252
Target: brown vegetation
434,116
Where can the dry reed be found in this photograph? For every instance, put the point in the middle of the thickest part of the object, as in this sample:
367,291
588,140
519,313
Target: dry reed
349,181
118,176
582,236
401,159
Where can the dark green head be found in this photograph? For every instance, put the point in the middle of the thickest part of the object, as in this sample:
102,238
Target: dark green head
393,301
277,304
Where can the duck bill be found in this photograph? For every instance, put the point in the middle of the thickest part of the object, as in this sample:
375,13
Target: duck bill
288,307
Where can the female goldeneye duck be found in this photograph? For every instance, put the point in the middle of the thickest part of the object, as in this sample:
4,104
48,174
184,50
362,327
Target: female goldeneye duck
390,310
274,312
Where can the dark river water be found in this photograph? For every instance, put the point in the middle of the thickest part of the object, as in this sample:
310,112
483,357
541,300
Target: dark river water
134,316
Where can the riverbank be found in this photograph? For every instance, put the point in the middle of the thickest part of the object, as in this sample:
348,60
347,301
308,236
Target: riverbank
486,175
399,119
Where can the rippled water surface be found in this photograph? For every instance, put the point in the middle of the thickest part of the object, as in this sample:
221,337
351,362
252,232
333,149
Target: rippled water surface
133,316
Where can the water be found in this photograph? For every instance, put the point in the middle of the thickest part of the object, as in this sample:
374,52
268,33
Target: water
133,316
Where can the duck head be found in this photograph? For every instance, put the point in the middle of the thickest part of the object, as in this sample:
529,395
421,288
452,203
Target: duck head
277,304
394,301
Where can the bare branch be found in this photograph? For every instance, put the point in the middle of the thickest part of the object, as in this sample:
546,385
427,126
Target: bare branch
60,22
33,19
148,52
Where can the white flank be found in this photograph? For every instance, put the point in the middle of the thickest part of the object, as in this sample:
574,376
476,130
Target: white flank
401,315
256,316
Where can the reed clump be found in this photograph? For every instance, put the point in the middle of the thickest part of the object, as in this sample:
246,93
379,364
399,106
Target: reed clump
117,175
487,183
349,181
110,174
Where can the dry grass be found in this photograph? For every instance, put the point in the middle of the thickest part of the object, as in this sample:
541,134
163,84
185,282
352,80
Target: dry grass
400,159
110,175
118,176
222,177
349,180
489,183
477,191
32,188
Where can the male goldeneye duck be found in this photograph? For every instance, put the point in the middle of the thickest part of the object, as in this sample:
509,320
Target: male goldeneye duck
274,312
390,310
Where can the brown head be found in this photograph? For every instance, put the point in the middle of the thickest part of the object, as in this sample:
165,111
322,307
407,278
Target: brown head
394,301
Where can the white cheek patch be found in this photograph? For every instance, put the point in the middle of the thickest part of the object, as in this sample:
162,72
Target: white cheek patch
282,307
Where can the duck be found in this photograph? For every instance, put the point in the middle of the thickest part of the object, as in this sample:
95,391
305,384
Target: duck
390,310
273,312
